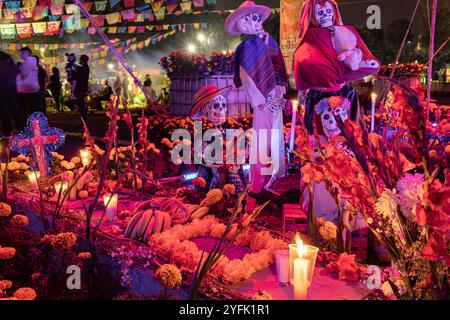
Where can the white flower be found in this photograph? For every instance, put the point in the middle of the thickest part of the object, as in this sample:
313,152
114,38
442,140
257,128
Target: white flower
410,193
387,203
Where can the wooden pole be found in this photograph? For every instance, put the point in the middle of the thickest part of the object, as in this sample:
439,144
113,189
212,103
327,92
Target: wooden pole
431,56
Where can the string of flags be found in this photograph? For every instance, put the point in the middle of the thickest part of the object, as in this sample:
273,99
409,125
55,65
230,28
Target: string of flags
67,18
98,54
26,30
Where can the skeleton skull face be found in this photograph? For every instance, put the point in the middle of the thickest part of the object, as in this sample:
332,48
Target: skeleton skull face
329,123
324,14
251,24
216,110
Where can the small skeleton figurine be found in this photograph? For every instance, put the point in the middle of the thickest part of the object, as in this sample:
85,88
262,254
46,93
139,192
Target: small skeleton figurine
211,103
327,111
260,69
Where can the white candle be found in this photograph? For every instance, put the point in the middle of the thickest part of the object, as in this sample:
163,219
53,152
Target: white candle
85,157
372,118
61,187
33,176
294,120
300,275
111,205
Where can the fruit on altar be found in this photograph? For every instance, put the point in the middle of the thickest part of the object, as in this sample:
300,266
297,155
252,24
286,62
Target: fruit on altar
132,224
199,213
83,194
137,184
148,222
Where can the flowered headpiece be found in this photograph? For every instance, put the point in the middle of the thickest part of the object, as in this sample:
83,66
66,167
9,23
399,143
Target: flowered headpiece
333,102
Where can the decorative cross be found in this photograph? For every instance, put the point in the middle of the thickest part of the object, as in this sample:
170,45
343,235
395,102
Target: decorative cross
38,141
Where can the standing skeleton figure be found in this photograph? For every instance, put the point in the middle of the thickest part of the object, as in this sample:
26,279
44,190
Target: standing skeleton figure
260,69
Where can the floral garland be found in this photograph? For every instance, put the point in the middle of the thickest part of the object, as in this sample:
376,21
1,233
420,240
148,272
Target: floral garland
177,246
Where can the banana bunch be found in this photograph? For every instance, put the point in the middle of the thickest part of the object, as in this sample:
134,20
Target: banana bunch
145,223
196,211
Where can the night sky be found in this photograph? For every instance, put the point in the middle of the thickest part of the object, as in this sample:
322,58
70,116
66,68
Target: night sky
353,11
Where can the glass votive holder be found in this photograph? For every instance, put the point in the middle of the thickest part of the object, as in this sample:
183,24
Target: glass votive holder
282,263
311,255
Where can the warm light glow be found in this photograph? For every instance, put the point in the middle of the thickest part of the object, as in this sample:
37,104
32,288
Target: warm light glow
61,187
33,177
42,49
300,247
201,37
85,156
374,96
110,66
224,52
294,104
191,48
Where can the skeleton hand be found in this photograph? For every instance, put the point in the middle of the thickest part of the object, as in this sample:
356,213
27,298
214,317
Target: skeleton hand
371,63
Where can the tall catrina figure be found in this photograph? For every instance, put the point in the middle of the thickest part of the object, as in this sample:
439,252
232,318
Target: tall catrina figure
260,69
328,55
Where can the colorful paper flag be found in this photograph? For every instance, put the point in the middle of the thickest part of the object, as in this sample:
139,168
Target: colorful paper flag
24,30
100,6
39,27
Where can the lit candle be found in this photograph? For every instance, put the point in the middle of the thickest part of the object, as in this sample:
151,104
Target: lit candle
372,118
85,157
300,274
33,176
294,120
61,187
111,205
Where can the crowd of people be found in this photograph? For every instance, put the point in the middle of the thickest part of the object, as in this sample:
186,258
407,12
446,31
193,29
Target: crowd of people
26,87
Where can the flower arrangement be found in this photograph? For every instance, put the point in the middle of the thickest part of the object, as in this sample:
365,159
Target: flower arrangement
183,63
221,62
400,191
177,246
411,69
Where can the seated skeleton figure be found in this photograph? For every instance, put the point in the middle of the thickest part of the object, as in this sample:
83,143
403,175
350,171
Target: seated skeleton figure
326,112
211,103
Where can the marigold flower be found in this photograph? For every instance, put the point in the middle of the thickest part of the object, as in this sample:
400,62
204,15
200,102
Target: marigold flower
169,276
5,284
229,188
5,209
199,182
20,220
62,241
84,255
7,253
25,294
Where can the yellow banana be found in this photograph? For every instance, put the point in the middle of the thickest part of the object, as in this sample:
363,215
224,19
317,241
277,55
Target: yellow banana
167,221
149,230
199,213
142,225
132,224
159,215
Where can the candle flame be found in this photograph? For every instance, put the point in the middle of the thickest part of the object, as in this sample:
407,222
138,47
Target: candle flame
85,153
294,104
300,247
374,95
